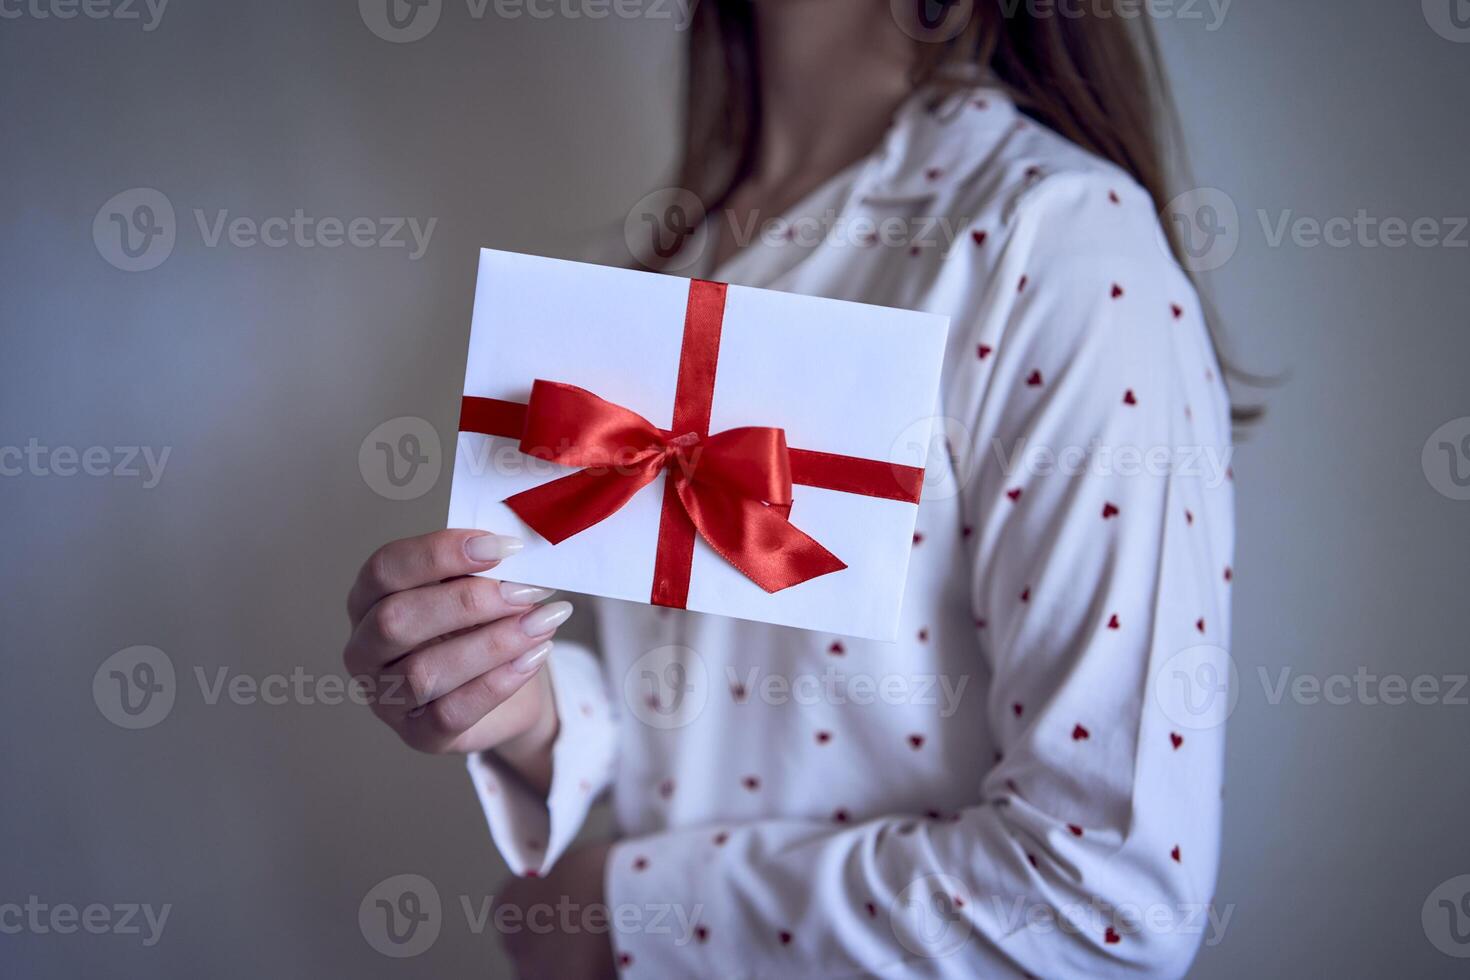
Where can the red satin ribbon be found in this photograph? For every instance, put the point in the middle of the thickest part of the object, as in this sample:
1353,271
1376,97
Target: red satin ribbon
732,488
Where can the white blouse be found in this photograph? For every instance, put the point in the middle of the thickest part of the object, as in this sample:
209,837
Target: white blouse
1016,787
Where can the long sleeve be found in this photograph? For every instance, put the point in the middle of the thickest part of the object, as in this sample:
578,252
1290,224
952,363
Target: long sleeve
530,832
1094,493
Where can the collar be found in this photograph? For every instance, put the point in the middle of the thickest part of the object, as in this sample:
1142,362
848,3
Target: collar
939,138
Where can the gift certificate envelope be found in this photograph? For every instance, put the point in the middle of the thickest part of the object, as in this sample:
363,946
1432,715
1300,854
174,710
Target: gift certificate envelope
729,450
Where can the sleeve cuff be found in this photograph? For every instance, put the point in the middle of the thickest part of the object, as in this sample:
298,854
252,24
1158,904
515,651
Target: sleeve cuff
530,832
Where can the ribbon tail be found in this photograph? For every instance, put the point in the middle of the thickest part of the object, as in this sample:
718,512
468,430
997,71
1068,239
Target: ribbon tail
756,538
568,506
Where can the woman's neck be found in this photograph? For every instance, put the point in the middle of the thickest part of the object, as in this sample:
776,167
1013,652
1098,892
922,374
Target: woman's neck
832,73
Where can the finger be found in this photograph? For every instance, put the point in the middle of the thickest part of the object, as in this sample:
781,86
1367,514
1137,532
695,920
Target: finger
438,670
411,562
436,726
402,621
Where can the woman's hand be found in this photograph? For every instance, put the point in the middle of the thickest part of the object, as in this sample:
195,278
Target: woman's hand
454,661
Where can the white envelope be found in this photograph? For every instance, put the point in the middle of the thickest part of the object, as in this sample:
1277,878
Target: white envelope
838,377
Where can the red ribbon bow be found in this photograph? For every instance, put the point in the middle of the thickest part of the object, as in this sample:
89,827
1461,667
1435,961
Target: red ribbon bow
734,485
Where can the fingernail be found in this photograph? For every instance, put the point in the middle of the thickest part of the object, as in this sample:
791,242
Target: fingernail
492,547
523,595
532,658
546,618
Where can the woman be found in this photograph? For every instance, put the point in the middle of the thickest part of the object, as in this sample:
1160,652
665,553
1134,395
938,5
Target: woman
1025,769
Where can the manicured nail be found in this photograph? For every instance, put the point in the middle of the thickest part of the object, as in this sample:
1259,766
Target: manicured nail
546,618
492,547
523,595
532,658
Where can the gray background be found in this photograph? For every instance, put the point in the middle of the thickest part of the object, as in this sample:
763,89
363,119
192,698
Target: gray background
263,369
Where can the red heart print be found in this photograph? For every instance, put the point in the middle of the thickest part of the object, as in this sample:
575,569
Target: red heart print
1017,709
785,938
1034,379
666,788
1026,594
872,910
1014,493
640,863
1111,936
1176,739
917,741
1033,172
914,250
959,902
933,173
1199,624
980,624
1076,830
1032,859
981,104
1177,310
737,691
823,737
1128,397
966,531
837,649
839,816
1228,573
625,960
1113,196
924,635
1113,622
1188,516
530,873
978,237
751,783
1080,734
1175,854
983,351
1022,287
720,838
701,933
918,537
1109,510
1117,291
